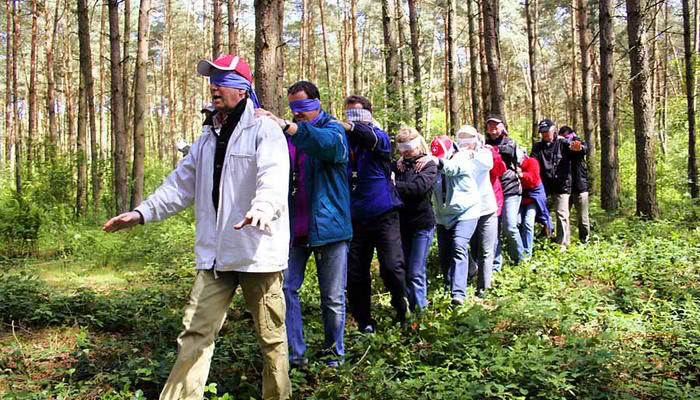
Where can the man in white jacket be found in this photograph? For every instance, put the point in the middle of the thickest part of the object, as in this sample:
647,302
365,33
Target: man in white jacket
237,176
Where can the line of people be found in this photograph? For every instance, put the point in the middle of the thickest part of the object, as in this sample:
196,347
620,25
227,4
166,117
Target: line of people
270,192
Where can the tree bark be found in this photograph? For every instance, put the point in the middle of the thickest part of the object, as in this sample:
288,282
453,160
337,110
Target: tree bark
89,89
644,139
609,162
9,100
101,129
216,38
531,11
80,149
302,39
15,97
392,66
119,144
140,104
325,54
268,37
452,64
355,51
125,75
232,27
573,104
485,92
493,56
415,52
690,95
473,64
32,93
585,42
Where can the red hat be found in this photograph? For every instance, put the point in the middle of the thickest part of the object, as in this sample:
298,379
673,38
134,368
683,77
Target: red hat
227,62
441,147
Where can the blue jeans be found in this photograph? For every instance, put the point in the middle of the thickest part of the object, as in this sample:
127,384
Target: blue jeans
483,245
453,246
509,223
331,267
416,246
528,212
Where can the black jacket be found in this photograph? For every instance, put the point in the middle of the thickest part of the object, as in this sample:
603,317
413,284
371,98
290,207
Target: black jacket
556,164
509,180
416,189
579,170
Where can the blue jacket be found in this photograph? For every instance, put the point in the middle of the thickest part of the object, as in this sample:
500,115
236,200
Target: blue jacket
460,200
327,147
369,171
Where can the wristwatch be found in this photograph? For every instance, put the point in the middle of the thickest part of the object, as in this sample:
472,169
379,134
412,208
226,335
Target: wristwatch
286,126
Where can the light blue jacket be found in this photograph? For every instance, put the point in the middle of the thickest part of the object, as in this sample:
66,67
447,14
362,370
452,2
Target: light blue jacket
460,175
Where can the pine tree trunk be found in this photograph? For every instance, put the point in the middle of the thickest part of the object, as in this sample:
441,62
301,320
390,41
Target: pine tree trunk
302,39
644,139
80,149
268,37
32,94
690,95
415,52
51,146
119,133
355,50
232,26
573,103
125,76
101,129
216,38
140,104
17,134
473,64
531,11
17,131
585,42
609,162
402,63
89,88
452,65
392,66
493,55
9,100
485,84
325,55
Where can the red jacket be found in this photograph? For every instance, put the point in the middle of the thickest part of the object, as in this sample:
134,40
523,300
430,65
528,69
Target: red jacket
531,176
499,167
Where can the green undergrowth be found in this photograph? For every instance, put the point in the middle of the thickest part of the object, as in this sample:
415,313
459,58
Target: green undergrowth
91,315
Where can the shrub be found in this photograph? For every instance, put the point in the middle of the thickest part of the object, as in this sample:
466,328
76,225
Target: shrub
19,225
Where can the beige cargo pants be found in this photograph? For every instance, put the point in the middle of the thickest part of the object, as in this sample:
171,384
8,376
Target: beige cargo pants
204,316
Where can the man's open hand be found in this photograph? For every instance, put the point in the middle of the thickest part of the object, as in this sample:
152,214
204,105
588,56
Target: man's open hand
126,220
257,218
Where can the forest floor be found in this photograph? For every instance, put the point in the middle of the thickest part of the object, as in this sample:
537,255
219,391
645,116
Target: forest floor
94,316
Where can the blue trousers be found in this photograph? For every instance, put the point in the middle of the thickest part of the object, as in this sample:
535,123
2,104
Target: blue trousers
331,268
416,246
453,246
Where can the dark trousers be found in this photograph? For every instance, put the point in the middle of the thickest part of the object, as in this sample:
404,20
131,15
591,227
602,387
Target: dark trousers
384,234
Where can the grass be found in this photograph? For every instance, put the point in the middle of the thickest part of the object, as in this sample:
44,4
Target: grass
616,318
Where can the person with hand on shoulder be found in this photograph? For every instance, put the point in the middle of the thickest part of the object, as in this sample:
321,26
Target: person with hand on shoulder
375,216
417,217
457,203
319,201
554,154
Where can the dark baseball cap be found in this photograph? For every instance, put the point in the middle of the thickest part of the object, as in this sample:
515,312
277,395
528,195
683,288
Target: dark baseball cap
545,125
495,118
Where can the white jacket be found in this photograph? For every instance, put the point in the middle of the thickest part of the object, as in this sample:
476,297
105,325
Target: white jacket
255,172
